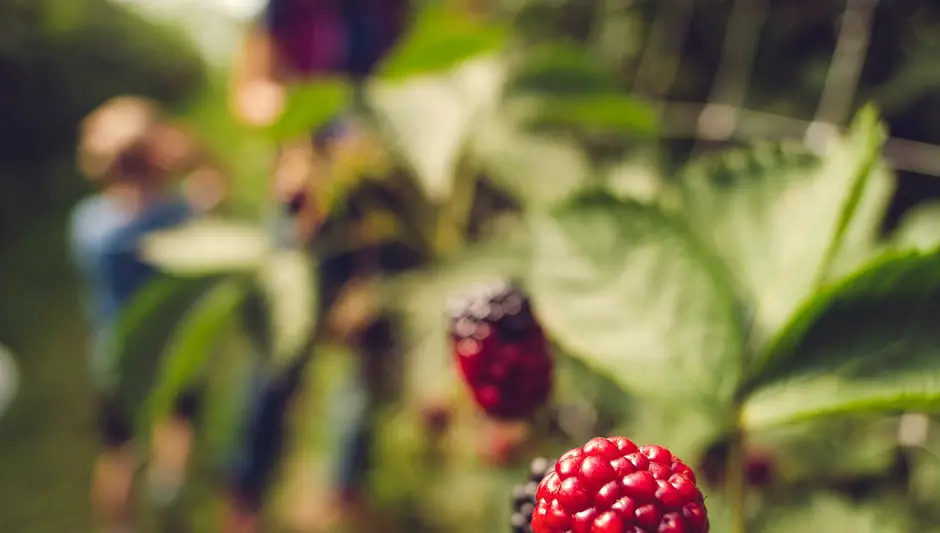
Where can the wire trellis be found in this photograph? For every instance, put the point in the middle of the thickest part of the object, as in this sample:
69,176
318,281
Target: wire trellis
724,118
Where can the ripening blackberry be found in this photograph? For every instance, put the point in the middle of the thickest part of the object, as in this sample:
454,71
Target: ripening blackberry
501,350
523,496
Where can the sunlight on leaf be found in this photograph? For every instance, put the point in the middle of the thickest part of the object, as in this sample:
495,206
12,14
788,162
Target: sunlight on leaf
919,229
208,246
288,281
772,212
637,178
623,286
538,170
431,118
311,105
861,240
867,344
441,38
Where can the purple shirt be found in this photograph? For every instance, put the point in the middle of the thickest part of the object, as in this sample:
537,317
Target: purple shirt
334,36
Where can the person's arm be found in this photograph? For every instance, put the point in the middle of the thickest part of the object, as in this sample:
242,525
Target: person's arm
85,255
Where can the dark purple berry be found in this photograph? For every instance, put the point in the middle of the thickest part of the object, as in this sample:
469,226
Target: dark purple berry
501,350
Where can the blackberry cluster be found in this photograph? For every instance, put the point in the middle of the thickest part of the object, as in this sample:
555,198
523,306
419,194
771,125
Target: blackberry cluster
611,485
523,496
501,350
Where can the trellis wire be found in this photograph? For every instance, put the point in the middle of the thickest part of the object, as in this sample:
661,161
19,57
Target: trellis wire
725,118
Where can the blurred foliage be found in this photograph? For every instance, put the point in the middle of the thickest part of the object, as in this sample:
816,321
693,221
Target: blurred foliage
58,61
751,297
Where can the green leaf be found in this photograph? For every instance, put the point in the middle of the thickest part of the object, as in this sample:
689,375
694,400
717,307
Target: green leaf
439,39
593,113
627,289
861,241
830,513
9,379
208,246
310,105
638,178
288,284
564,85
560,69
919,229
194,342
326,379
777,216
226,397
869,343
430,119
808,453
538,170
143,330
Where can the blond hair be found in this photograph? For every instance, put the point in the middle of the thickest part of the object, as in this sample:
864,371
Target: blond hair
113,130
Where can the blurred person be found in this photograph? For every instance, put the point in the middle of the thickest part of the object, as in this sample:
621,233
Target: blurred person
351,316
292,42
136,158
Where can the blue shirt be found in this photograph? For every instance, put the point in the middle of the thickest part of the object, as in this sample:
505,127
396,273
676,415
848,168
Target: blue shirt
104,245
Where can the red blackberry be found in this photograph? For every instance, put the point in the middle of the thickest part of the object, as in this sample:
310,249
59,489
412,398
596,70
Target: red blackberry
610,485
501,350
523,496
